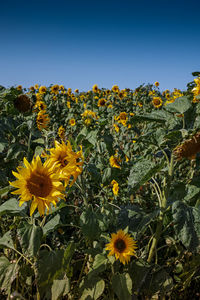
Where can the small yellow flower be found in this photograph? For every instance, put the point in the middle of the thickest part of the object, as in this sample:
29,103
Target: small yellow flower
36,86
122,245
115,187
116,127
95,88
61,132
72,122
115,161
156,83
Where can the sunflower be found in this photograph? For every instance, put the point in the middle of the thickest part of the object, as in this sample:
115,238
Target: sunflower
42,89
101,102
72,122
39,183
115,187
55,89
95,88
157,102
32,89
67,162
36,86
61,132
40,105
116,127
115,88
42,120
189,148
156,83
19,87
122,245
115,161
22,103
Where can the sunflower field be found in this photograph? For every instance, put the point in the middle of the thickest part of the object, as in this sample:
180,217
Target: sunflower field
100,193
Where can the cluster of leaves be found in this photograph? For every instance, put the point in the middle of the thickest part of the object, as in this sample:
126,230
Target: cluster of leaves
62,255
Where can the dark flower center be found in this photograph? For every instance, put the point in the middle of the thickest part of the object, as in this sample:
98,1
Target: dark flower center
120,245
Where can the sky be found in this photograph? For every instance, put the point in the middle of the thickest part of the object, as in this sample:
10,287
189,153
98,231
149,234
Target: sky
82,43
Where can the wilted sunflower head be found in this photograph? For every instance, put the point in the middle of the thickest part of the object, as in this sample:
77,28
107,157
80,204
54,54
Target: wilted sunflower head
37,182
22,103
122,245
189,148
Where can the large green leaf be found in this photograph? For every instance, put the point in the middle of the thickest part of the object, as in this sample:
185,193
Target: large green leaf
142,172
92,289
52,265
8,273
187,224
52,224
122,286
89,224
60,288
6,241
180,105
11,207
30,237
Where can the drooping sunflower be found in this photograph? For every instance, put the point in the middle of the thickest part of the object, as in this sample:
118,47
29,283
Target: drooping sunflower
42,120
67,162
189,148
122,245
22,103
101,102
157,102
39,183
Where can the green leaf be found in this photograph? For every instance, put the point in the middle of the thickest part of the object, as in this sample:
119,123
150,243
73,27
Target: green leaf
6,241
99,260
92,137
52,265
52,224
122,286
8,273
11,207
89,224
106,174
187,224
92,289
142,172
180,105
60,288
30,237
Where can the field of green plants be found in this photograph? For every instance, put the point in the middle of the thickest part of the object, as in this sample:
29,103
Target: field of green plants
100,193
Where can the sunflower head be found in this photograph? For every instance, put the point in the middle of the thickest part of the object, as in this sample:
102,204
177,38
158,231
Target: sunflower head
61,132
115,88
39,183
157,102
189,148
102,102
72,122
122,245
95,88
42,89
42,120
115,161
156,83
22,103
55,89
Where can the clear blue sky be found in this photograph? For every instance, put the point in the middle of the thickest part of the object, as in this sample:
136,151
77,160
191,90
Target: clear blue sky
80,43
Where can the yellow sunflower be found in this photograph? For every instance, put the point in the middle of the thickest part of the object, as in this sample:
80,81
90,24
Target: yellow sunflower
67,162
157,102
42,89
115,161
156,83
55,89
19,87
72,122
95,88
115,88
39,183
122,245
61,132
42,120
115,187
101,102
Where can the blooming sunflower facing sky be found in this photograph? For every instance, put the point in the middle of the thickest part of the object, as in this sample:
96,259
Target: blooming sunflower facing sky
122,245
39,183
67,162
